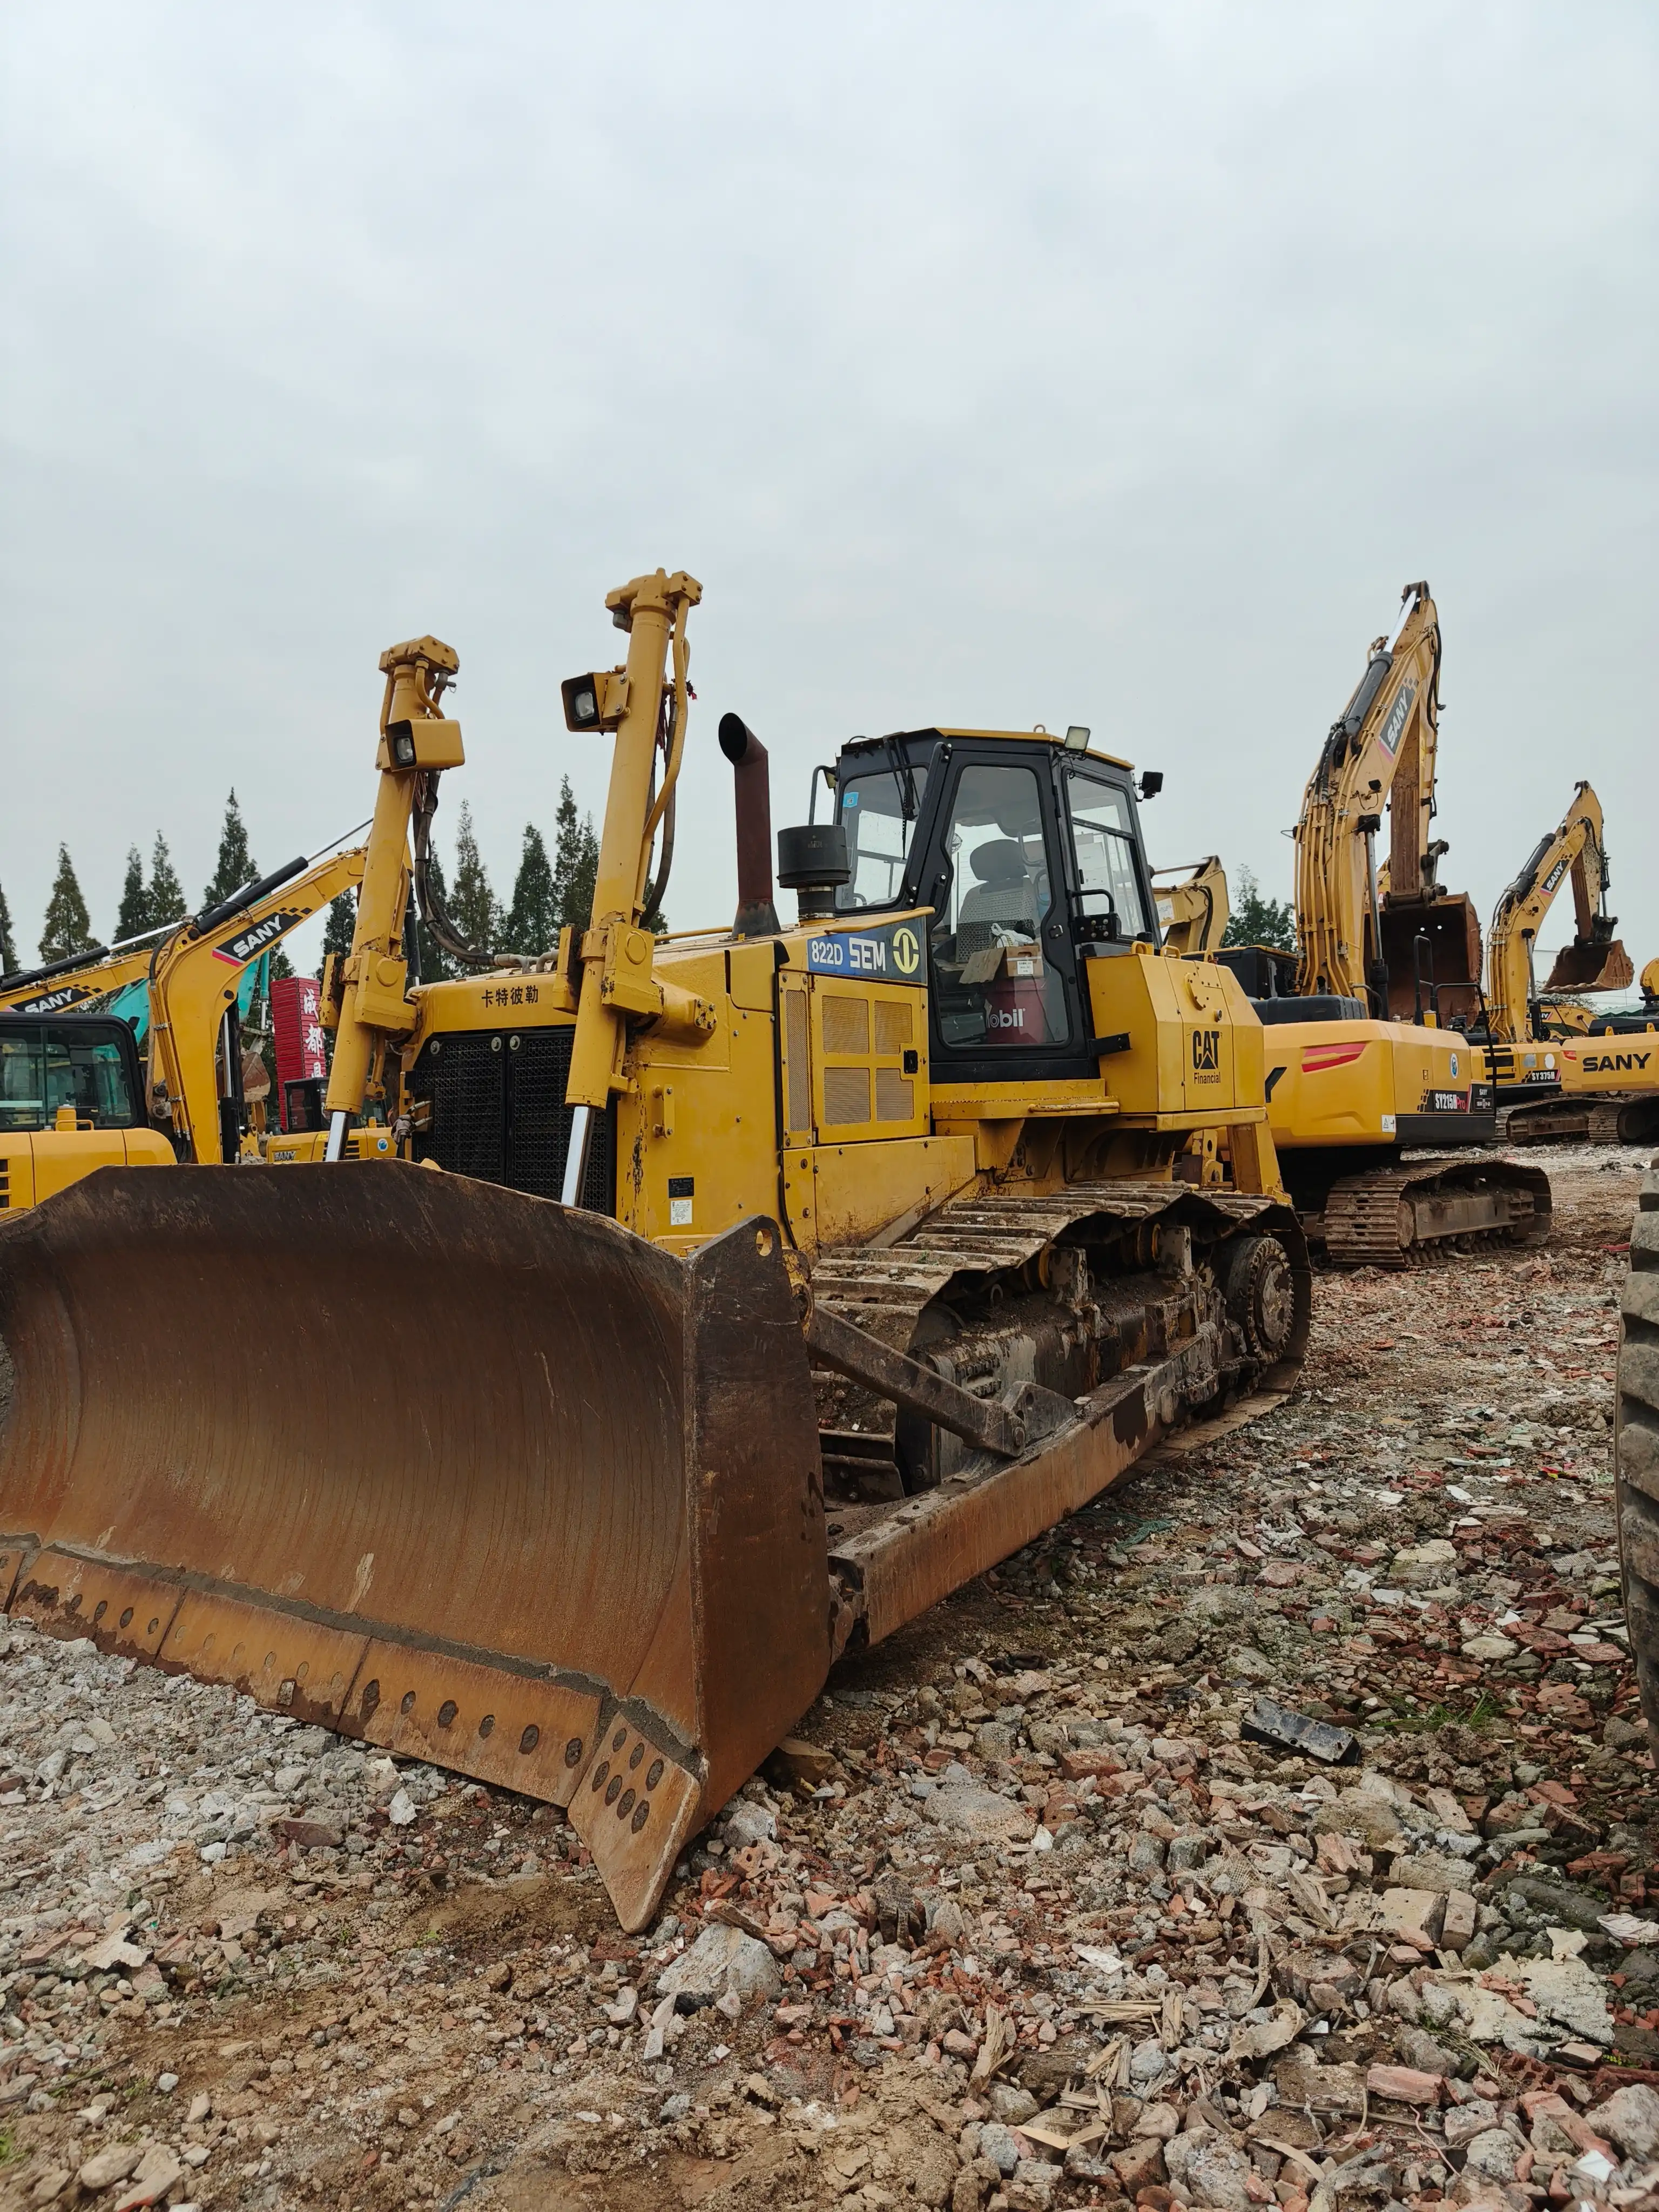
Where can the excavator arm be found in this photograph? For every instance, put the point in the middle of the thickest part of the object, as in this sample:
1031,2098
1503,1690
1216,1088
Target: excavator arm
1371,931
1594,961
193,978
63,986
1192,910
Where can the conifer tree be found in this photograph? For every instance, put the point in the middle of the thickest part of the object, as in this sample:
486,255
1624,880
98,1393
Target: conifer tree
8,944
237,864
337,929
575,861
472,904
435,964
133,919
166,894
68,926
1257,920
532,919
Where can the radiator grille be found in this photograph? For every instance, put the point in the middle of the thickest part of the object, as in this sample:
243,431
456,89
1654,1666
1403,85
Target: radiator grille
801,1073
498,1112
846,1096
846,1023
895,1095
893,1027
5,1183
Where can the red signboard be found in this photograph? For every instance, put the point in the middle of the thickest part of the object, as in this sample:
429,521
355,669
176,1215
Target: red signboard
298,1035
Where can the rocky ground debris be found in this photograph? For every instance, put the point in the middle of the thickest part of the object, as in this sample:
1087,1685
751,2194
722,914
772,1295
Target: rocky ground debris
1038,1909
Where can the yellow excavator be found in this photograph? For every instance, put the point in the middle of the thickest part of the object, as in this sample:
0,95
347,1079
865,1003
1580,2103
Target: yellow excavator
77,1094
1363,1066
1561,1072
1192,906
743,1292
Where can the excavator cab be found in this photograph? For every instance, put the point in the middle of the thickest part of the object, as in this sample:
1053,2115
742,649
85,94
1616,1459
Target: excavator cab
1028,853
71,1098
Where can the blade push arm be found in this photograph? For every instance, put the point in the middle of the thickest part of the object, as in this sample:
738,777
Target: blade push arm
647,711
417,744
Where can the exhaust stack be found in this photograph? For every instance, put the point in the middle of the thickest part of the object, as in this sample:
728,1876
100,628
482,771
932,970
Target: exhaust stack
756,916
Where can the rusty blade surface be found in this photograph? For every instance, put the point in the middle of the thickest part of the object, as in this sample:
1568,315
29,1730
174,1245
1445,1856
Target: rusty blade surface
452,1469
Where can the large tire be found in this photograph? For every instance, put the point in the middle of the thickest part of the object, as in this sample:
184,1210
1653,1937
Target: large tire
1636,1446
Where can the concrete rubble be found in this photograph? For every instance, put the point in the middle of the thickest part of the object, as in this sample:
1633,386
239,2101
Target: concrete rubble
1027,1915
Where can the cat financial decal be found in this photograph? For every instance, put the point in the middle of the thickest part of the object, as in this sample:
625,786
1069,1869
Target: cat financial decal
247,944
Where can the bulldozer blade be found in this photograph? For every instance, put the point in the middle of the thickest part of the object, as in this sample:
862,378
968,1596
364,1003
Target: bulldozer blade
452,1470
1591,966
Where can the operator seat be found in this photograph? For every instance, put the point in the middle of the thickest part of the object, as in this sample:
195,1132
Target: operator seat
1004,897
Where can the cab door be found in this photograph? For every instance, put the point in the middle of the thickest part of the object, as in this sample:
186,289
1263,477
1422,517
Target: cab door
1004,1000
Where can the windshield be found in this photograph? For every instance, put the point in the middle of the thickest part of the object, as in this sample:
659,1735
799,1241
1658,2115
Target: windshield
45,1068
872,812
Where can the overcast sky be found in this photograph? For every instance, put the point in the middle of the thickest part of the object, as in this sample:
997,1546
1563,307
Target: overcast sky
1113,364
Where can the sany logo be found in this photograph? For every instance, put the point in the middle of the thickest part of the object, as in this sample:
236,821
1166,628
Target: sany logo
54,1002
238,950
1614,1063
1389,735
1556,873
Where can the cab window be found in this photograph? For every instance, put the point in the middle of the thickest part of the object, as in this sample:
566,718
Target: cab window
879,811
89,1073
1107,869
23,1080
995,985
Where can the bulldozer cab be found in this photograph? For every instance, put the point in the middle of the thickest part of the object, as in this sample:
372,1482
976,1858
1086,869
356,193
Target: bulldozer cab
1029,854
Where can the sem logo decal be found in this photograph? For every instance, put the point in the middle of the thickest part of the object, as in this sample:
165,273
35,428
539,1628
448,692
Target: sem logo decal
1206,1049
892,953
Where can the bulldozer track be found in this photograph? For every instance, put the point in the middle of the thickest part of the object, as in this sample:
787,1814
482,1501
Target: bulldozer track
1635,1445
972,1241
1377,1219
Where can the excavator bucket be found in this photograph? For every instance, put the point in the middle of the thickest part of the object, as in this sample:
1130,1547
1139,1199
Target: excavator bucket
452,1470
1585,965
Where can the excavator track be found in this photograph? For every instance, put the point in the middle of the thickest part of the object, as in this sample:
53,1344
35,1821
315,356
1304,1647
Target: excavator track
1613,1119
1402,1217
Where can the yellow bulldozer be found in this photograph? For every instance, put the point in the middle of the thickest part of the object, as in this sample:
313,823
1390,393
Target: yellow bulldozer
1563,1072
735,1295
1368,1062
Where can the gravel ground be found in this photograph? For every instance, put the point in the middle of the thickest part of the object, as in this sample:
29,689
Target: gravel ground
1030,1916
